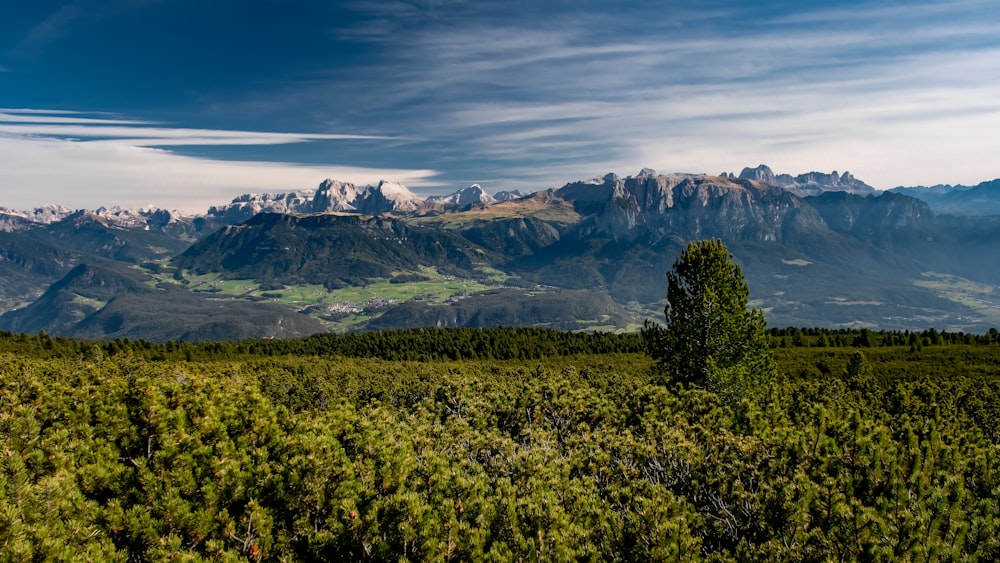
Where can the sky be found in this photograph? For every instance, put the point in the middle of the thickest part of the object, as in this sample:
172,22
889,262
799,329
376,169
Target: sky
183,104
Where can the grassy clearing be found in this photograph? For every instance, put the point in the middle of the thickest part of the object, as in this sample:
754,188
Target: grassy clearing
493,275
298,295
356,302
561,212
435,288
96,304
983,299
845,301
349,323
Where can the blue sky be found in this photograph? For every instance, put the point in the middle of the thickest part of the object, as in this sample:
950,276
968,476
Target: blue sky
187,103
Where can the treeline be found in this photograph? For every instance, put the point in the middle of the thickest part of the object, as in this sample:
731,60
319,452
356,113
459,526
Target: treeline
424,344
456,344
868,338
879,457
435,344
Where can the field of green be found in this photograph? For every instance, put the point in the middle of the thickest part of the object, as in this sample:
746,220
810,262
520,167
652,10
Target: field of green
539,445
983,299
345,308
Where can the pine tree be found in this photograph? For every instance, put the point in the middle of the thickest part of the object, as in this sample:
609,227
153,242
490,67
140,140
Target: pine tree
711,339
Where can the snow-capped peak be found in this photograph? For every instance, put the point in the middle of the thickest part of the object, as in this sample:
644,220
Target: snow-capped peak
465,196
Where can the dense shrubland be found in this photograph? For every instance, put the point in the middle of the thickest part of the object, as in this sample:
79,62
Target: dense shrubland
539,445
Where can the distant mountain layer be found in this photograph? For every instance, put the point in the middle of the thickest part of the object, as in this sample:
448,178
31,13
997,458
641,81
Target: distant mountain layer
331,196
813,183
472,195
982,199
394,198
817,249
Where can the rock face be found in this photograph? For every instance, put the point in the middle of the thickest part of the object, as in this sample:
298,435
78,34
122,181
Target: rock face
333,196
762,173
654,207
387,197
812,183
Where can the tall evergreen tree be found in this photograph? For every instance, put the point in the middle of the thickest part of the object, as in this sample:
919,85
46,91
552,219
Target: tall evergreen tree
711,339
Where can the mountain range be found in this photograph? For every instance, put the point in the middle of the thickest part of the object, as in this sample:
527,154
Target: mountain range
817,249
980,199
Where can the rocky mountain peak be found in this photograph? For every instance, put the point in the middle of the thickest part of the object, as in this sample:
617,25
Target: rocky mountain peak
334,196
10,222
387,197
393,188
330,196
508,195
762,173
654,207
810,183
464,197
13,219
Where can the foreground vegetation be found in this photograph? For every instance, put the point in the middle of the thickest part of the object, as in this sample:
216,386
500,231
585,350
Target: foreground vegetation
538,445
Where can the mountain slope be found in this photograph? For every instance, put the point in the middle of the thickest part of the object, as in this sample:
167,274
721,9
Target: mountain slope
108,300
175,315
589,254
329,250
566,310
94,235
84,290
28,266
40,252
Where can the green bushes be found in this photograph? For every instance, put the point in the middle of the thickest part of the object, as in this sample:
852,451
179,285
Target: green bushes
889,456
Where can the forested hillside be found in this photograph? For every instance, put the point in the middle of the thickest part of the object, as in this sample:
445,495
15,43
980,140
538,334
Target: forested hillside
868,446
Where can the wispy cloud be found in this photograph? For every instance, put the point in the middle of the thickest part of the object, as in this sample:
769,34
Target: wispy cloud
44,116
44,160
863,88
533,94
142,133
